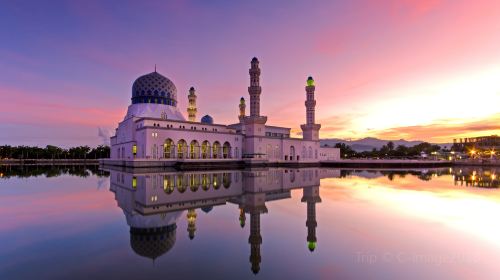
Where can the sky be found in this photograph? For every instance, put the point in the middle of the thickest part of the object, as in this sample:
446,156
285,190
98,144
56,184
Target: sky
393,69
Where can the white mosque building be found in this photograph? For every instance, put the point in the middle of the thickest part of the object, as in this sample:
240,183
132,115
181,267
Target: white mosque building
154,132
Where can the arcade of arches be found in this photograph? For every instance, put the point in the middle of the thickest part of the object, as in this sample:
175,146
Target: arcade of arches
193,150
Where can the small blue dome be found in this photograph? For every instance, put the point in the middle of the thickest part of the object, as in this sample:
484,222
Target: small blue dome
207,119
207,209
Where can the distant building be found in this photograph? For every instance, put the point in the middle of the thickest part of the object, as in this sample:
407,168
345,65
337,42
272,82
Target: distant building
154,130
478,146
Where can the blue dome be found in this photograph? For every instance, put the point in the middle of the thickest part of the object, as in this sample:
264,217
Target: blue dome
207,119
154,88
207,209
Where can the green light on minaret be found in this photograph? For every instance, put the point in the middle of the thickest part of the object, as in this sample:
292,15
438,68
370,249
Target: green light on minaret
311,245
242,100
310,81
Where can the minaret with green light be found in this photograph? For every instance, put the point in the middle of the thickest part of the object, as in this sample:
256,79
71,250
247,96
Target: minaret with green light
242,218
191,109
310,130
311,196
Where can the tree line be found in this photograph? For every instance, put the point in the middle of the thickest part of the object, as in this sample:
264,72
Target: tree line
25,171
53,152
389,151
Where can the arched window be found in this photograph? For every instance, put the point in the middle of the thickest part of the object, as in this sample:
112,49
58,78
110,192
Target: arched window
310,152
205,182
181,183
303,152
168,184
181,149
194,149
216,150
226,150
205,149
292,152
168,148
226,180
216,181
194,182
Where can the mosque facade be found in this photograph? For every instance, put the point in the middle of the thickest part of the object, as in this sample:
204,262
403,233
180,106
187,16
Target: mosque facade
154,132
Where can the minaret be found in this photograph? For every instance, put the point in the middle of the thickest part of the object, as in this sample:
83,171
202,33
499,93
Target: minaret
242,218
191,218
255,124
311,196
254,89
310,129
242,109
192,105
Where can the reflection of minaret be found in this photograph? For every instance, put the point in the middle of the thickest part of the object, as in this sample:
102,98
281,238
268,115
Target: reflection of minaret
191,218
255,240
255,205
242,218
311,196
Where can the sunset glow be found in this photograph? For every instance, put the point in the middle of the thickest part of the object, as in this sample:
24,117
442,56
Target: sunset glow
432,201
419,70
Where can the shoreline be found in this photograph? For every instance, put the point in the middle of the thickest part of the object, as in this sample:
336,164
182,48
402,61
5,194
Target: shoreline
239,164
47,161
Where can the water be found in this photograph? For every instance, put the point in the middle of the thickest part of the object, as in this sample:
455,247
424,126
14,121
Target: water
78,222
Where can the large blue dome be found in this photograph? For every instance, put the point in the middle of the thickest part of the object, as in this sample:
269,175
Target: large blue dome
154,88
207,119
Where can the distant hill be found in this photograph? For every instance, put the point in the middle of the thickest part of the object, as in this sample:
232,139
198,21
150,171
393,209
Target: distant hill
367,144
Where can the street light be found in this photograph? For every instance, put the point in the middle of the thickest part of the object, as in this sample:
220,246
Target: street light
472,153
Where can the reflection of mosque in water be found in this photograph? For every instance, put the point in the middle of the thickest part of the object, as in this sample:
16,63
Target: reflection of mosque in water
153,201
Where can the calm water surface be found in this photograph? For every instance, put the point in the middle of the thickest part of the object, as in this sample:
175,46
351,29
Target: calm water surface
82,223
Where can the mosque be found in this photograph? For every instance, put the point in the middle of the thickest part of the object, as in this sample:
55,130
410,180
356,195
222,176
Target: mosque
154,132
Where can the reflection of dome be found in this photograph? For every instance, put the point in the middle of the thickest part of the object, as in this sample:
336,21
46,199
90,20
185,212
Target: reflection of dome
207,209
207,119
152,242
311,245
154,88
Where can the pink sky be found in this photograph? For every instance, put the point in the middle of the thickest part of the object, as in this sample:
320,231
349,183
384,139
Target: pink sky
419,70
